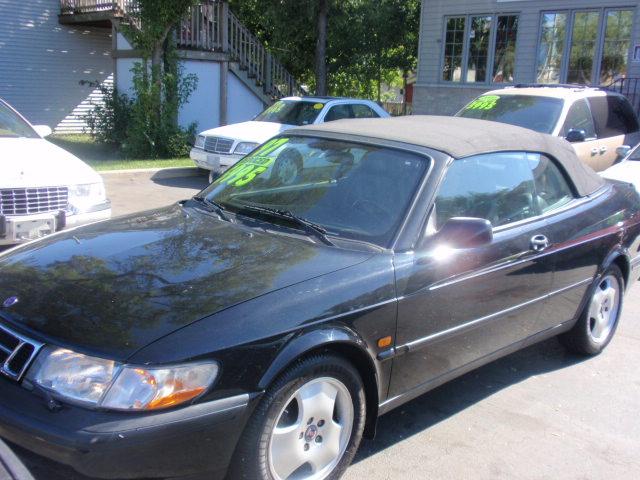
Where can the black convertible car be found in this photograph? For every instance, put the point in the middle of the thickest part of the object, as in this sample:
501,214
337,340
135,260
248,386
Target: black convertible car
260,328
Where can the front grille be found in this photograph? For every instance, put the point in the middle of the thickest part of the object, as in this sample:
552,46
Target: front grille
16,353
28,201
218,145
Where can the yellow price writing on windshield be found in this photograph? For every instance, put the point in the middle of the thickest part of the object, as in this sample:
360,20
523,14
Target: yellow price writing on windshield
253,166
486,102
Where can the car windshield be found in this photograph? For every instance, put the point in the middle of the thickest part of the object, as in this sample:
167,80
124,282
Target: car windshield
12,126
291,112
635,154
535,113
353,191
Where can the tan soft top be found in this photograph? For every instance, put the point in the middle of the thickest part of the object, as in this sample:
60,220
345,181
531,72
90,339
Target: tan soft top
462,137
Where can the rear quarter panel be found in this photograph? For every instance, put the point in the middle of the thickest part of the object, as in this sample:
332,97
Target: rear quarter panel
583,240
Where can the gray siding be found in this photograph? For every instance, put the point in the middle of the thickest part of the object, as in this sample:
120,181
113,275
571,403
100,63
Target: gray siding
434,96
43,62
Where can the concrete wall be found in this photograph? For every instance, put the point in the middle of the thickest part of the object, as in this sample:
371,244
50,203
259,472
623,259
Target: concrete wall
203,107
432,95
242,104
43,62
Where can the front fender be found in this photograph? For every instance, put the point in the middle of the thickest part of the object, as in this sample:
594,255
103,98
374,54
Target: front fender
344,341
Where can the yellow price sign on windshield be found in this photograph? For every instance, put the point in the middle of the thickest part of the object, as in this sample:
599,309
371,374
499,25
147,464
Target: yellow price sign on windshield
486,102
253,166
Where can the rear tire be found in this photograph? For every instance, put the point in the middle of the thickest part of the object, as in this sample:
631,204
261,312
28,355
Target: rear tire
599,320
315,412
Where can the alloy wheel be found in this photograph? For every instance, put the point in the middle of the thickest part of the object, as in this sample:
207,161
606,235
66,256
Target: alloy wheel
604,308
312,431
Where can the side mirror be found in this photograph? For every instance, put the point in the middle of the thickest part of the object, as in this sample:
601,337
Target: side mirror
43,130
623,150
575,136
464,232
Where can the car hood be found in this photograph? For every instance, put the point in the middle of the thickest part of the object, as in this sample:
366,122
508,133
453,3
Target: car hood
34,162
110,288
628,171
257,132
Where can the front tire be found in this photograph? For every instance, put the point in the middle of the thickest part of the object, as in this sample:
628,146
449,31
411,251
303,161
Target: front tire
599,320
308,425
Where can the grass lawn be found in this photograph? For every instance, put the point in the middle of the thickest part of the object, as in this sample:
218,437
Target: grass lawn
102,157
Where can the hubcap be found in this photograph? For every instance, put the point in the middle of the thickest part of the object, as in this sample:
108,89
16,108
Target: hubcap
603,310
312,431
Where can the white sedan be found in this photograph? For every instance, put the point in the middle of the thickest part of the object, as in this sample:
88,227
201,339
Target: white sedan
43,188
219,148
628,169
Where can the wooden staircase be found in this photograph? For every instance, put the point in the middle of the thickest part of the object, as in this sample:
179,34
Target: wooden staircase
208,27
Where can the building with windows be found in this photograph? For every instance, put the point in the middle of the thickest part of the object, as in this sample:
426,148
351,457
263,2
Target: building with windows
470,46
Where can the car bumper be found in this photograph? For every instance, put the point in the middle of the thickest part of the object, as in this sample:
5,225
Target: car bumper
16,229
192,440
214,162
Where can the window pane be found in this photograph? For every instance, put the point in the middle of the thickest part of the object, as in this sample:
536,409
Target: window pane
338,113
362,111
452,69
613,116
316,179
534,112
479,34
583,47
552,189
505,53
617,40
552,40
497,187
579,118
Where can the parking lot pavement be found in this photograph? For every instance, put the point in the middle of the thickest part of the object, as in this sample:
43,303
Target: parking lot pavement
537,414
132,192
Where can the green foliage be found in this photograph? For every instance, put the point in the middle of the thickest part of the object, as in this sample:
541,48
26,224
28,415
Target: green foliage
108,123
157,134
370,41
146,125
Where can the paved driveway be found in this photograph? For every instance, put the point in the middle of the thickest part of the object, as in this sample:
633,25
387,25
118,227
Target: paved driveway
537,414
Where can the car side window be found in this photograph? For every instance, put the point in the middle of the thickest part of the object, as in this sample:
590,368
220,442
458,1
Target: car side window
363,111
552,189
338,112
579,118
498,187
613,116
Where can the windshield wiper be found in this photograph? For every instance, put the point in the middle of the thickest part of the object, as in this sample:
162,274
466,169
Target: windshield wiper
308,226
213,206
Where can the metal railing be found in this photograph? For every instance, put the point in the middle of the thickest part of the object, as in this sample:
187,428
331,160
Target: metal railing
70,7
630,88
210,26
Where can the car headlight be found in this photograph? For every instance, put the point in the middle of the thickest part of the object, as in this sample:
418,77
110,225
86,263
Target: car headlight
83,197
245,148
108,384
200,141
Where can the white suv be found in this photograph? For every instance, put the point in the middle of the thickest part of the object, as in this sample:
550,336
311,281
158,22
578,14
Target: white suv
43,188
595,121
219,148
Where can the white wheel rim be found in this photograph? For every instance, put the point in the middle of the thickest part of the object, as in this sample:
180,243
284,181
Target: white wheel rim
310,446
603,309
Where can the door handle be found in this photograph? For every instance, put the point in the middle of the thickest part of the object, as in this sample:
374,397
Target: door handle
539,243
603,150
594,151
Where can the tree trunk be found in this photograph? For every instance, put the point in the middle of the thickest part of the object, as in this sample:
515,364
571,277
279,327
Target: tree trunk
321,48
156,80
